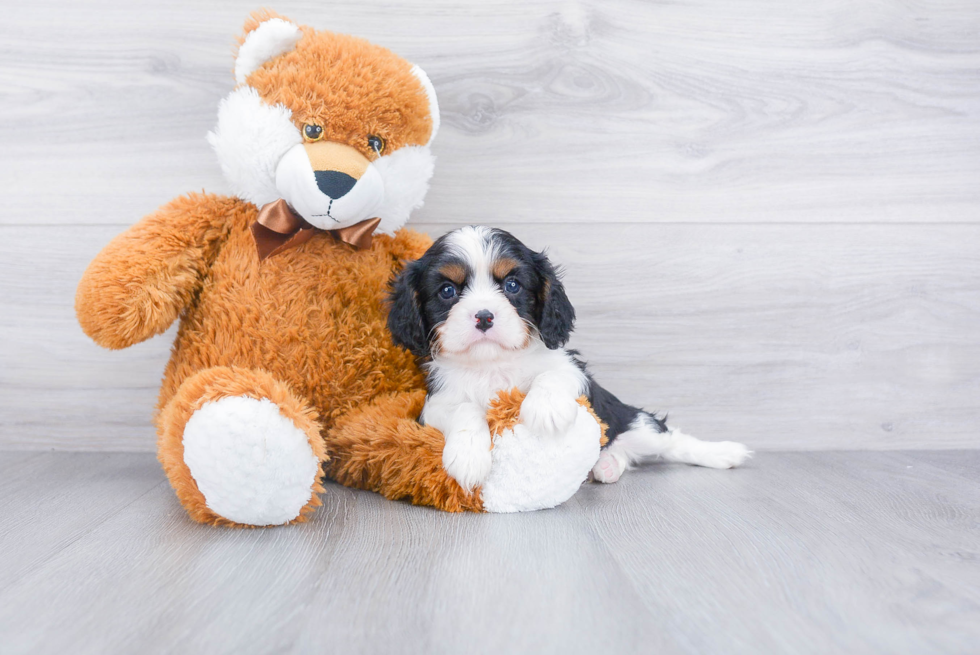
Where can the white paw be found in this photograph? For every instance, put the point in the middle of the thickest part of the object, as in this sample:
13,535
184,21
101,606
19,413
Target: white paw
548,412
466,456
723,454
253,465
608,469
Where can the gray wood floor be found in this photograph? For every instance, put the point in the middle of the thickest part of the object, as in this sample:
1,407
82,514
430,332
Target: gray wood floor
830,552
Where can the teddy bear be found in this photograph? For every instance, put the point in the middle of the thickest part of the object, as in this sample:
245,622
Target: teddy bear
282,371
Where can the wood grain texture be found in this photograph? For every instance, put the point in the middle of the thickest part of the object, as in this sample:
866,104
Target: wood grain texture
83,493
784,337
767,211
796,553
554,111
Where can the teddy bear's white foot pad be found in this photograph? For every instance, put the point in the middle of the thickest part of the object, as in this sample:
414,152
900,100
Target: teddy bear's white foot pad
533,471
253,465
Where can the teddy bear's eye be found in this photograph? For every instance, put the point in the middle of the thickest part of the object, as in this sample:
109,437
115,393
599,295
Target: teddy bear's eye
313,132
376,143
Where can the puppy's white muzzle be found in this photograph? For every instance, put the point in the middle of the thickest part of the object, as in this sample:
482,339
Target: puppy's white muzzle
462,330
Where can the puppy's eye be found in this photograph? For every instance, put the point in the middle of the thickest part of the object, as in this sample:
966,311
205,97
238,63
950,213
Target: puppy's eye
377,144
511,285
312,132
447,292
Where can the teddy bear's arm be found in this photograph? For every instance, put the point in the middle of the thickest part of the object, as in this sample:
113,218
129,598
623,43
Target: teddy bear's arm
138,285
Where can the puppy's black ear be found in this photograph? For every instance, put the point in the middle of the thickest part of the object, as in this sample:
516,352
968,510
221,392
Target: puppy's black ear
405,314
557,316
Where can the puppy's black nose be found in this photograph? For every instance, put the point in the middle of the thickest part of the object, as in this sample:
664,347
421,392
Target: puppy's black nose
334,183
484,320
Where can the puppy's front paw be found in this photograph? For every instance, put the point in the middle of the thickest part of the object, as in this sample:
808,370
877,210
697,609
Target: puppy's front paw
467,459
545,411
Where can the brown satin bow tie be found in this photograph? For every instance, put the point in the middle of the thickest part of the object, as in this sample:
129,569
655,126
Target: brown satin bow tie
278,227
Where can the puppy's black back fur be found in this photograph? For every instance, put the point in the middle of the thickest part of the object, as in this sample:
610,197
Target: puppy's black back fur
617,415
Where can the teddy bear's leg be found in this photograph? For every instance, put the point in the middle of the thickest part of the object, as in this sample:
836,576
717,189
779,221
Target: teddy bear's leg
382,447
241,449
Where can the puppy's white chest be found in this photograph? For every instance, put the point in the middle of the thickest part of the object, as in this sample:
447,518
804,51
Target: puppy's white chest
483,386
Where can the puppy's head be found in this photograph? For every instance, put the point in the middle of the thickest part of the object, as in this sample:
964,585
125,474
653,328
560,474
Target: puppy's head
476,293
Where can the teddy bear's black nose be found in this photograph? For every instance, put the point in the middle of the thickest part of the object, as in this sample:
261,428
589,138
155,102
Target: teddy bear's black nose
334,183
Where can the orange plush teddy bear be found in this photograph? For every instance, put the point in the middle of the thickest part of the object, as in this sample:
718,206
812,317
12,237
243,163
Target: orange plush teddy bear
283,370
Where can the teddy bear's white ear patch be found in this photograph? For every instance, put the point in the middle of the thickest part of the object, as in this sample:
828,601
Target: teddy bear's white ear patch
433,101
267,41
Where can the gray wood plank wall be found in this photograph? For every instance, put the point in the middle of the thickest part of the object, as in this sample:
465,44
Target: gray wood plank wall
769,212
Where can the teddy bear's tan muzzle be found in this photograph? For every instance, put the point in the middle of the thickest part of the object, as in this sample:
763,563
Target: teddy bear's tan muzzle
336,166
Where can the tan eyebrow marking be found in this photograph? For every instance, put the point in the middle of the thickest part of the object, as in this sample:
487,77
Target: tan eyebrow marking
454,272
502,267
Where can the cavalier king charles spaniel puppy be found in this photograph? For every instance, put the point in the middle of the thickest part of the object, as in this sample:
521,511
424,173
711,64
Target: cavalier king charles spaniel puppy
485,313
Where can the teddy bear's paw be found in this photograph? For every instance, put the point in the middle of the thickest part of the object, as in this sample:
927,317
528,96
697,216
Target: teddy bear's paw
252,464
609,468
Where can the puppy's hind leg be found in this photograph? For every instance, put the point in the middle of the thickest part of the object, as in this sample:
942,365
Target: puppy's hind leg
649,437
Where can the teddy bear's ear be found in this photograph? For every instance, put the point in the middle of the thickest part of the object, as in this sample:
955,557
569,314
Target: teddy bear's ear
264,40
433,102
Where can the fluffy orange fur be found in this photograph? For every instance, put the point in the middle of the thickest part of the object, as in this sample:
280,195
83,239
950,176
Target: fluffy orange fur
382,447
305,328
137,285
505,413
370,90
214,384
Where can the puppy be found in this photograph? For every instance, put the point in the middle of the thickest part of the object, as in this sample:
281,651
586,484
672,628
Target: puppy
485,313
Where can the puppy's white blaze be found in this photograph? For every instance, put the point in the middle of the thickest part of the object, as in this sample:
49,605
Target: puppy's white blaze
270,39
475,246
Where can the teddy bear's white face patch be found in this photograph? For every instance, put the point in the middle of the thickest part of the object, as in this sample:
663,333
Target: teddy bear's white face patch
264,158
250,139
326,197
